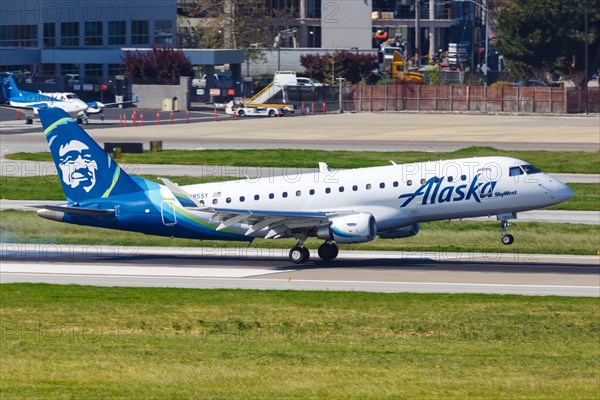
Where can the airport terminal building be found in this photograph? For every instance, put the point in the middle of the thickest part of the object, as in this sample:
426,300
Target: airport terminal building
83,37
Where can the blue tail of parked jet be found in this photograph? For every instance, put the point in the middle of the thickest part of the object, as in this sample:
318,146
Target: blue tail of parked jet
9,87
85,170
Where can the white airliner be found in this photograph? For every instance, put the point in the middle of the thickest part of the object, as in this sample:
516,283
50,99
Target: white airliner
337,206
29,103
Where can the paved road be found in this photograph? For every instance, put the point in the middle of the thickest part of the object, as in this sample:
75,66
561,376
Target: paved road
526,274
363,131
552,216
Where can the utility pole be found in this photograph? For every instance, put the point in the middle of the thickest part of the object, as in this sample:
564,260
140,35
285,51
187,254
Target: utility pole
417,32
585,55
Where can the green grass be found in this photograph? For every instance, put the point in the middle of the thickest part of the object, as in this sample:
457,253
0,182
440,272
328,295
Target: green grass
65,342
531,237
549,161
586,195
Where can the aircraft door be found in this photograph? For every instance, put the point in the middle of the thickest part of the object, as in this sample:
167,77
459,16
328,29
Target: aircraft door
168,213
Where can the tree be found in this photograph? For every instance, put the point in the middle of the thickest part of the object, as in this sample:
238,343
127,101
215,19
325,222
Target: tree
345,64
539,36
157,63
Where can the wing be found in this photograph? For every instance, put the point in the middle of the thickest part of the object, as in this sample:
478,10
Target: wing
276,223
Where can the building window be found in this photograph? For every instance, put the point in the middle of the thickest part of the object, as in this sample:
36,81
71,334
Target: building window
93,34
140,32
18,36
116,33
114,70
93,72
163,31
314,36
69,34
50,34
69,69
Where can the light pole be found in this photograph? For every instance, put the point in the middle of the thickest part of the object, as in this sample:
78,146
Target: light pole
484,6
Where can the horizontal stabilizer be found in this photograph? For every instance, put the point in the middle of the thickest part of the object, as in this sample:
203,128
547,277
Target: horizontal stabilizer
78,210
184,198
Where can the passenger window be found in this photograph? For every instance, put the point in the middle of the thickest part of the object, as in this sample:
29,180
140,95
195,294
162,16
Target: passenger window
409,182
463,177
215,201
382,185
271,196
515,171
256,197
395,183
341,189
284,195
450,179
423,181
368,186
436,179
298,193
355,188
228,200
242,198
327,190
311,192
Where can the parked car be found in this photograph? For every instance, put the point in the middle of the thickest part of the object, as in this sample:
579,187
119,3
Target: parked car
530,82
221,79
307,82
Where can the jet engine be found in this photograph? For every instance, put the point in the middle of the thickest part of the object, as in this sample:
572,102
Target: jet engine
404,232
352,228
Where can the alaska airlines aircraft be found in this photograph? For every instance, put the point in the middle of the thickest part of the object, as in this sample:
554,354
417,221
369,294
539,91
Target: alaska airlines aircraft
337,206
29,103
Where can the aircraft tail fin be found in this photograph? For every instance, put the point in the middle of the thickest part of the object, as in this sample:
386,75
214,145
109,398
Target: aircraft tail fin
85,170
9,87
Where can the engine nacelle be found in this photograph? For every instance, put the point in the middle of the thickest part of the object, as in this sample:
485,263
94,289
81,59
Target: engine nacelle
404,232
353,228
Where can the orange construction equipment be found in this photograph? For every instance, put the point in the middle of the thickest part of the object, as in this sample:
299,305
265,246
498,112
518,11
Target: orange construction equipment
141,118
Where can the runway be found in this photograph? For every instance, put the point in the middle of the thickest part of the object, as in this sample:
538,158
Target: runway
256,268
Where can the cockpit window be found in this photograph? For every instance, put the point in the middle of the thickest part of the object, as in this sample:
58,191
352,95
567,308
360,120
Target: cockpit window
530,169
515,171
71,96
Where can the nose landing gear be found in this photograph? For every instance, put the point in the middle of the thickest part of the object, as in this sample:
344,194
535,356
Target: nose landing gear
507,238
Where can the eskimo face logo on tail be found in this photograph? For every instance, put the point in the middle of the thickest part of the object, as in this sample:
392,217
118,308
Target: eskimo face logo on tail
77,167
431,191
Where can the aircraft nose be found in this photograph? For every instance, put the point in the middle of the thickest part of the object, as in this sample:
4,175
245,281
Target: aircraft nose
557,190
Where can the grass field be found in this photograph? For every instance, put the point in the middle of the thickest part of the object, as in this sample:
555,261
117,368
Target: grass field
586,195
549,161
64,342
531,237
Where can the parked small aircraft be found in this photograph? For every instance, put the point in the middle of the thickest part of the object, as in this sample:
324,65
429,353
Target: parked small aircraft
29,103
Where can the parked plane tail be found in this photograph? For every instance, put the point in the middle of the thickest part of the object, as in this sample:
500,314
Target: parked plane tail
85,170
9,87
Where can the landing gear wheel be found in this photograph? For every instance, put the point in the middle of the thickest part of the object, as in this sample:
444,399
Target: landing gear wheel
79,121
508,239
299,255
328,251
29,121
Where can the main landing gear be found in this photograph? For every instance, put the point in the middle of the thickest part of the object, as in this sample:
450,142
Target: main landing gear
300,254
507,238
